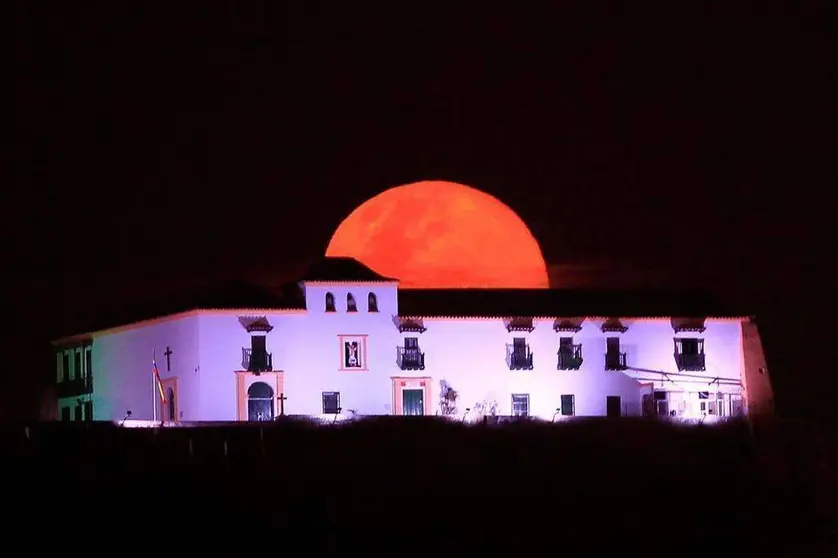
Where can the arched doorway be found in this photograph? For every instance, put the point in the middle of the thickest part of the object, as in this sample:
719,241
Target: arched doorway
171,407
260,402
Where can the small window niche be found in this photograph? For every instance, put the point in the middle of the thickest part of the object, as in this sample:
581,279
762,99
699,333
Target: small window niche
351,306
372,303
330,302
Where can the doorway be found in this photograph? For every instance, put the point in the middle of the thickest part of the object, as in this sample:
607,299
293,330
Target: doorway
613,406
260,402
413,402
170,409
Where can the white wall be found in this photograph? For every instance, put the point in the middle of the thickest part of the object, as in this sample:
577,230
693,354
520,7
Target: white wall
649,345
471,356
305,345
222,338
122,368
315,366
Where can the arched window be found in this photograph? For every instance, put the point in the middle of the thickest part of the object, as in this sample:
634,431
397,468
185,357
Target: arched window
330,302
372,303
260,402
171,407
350,303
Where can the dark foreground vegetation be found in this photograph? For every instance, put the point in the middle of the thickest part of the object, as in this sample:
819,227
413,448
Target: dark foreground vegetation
399,487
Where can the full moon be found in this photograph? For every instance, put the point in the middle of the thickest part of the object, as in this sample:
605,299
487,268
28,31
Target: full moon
437,234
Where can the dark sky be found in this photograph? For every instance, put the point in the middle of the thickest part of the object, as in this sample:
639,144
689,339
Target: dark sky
165,143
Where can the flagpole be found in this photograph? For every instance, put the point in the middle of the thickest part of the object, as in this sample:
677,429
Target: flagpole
154,387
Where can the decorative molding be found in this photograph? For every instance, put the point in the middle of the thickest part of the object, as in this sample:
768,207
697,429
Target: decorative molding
613,325
410,325
568,324
352,351
255,324
688,324
519,324
401,383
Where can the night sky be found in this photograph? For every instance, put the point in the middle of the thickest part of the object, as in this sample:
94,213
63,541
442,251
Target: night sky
164,145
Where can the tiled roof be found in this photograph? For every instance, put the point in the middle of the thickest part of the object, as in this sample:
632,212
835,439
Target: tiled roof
230,295
558,302
342,269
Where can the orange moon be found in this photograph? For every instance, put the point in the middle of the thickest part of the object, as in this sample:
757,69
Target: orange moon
437,234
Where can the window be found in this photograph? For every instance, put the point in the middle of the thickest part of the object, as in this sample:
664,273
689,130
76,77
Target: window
614,359
689,346
372,303
411,343
77,370
331,402
171,405
330,302
520,404
77,412
689,354
350,303
88,411
65,366
662,403
570,355
259,360
566,346
568,406
65,414
88,363
708,403
59,368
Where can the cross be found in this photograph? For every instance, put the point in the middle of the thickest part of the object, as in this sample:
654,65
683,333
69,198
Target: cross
281,400
168,354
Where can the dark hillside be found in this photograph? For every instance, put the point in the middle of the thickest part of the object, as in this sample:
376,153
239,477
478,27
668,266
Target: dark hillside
400,487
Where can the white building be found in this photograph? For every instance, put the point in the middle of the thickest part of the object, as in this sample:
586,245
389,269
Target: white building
352,343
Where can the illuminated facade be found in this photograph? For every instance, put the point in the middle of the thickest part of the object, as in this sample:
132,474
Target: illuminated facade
349,343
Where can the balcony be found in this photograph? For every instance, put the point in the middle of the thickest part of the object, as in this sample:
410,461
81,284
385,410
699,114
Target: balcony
688,362
410,359
615,361
518,357
74,387
570,357
259,361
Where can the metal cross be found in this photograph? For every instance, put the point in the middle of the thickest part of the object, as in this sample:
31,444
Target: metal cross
281,400
168,354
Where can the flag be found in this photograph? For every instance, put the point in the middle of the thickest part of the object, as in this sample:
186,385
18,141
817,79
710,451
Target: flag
157,377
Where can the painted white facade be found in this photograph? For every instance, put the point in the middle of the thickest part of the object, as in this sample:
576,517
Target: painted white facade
469,353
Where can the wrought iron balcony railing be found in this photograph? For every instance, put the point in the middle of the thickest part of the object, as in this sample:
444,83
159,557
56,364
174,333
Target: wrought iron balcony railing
570,357
615,361
690,362
259,361
410,359
519,357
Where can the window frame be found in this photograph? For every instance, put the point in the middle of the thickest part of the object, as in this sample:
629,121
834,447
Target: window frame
337,407
526,398
572,412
